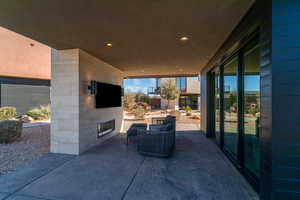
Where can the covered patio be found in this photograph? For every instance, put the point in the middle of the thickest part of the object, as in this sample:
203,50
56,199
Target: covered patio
224,42
197,170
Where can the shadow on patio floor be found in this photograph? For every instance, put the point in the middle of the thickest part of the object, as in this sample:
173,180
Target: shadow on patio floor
197,170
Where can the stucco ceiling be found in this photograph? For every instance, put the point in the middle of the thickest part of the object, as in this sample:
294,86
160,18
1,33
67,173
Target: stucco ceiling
144,33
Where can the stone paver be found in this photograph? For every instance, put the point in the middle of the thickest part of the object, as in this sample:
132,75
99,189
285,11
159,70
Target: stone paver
197,170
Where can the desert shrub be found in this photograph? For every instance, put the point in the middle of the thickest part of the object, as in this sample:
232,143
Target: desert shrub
141,97
129,101
188,110
7,113
40,113
139,112
10,131
253,109
141,104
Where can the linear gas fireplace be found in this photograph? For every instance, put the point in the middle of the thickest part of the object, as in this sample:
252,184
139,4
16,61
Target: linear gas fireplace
105,128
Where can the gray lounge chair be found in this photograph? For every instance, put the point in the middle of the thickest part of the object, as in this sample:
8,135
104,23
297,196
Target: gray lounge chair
132,131
159,141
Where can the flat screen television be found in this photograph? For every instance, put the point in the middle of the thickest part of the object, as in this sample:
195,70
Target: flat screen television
108,95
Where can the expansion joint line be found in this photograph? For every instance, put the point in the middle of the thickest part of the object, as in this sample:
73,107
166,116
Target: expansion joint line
132,179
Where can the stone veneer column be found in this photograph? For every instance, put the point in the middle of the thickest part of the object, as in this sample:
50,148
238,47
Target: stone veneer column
74,116
65,101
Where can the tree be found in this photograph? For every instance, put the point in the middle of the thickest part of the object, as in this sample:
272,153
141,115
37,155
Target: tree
169,91
141,97
129,100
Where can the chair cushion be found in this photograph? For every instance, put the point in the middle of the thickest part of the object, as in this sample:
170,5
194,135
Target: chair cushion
155,127
166,127
139,125
169,119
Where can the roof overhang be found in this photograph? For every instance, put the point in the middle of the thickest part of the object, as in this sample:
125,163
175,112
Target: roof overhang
145,34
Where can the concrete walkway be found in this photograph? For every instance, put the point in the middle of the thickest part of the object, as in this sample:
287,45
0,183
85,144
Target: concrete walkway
198,170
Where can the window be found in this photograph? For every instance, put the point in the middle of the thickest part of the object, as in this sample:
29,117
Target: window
252,109
158,82
230,108
181,83
188,100
217,104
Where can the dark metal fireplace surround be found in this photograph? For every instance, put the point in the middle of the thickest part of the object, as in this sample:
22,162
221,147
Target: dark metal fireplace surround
104,128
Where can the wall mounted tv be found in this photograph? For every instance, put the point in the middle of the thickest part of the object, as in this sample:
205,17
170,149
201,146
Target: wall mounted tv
108,95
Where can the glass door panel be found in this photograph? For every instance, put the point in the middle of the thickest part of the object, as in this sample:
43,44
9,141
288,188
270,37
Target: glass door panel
252,110
217,105
231,107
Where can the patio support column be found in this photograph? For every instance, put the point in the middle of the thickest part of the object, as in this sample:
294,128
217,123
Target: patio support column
65,101
74,118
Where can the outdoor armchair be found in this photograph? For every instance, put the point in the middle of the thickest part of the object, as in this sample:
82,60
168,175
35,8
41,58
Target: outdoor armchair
159,140
156,143
133,130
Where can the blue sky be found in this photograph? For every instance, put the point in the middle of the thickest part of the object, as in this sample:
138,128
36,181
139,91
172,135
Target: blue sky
139,84
252,83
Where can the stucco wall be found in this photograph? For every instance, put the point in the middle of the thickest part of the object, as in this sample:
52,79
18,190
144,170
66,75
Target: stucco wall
23,57
192,86
91,68
74,116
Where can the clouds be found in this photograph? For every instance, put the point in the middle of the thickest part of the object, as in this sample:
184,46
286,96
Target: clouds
139,84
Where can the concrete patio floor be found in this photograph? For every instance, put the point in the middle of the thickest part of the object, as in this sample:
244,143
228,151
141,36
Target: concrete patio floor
197,170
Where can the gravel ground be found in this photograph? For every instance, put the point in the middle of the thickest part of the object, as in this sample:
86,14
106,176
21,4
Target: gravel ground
35,142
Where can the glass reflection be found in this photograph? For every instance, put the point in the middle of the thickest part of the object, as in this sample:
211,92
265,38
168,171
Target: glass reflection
230,107
217,104
252,110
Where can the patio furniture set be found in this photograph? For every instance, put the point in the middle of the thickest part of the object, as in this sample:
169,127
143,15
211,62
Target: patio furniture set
158,141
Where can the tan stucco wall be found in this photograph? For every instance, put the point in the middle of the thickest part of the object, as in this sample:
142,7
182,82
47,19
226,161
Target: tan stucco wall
18,58
74,116
193,86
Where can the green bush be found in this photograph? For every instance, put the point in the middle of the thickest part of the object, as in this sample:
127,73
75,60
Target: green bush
7,113
253,110
40,113
10,131
139,112
188,110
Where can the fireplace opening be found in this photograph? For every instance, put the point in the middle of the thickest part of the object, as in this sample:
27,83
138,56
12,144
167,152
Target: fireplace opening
105,128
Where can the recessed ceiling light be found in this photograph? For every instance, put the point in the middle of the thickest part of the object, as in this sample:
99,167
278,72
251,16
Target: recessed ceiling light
108,45
184,38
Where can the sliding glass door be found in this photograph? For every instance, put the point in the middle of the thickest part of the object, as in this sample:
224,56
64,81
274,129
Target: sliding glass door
251,109
217,105
236,110
230,107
